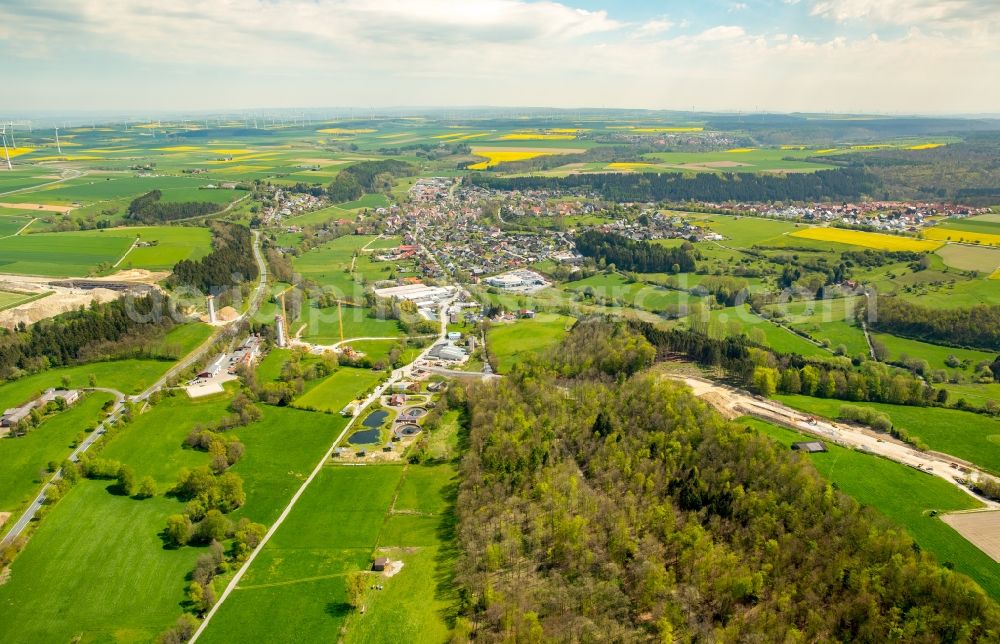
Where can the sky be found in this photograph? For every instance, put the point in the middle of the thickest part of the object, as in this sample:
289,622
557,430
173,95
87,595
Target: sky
871,56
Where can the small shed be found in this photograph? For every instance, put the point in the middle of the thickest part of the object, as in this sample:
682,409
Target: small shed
379,564
809,446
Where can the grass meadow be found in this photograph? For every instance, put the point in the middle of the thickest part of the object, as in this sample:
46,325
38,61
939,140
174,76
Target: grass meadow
295,590
967,435
515,342
338,389
906,497
25,459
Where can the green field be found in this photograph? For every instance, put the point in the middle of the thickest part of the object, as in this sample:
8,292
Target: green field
59,254
334,392
322,326
11,224
967,435
738,319
906,497
618,289
327,265
984,259
25,458
113,538
980,224
128,376
934,354
96,569
9,300
826,320
744,232
752,160
172,244
518,341
295,588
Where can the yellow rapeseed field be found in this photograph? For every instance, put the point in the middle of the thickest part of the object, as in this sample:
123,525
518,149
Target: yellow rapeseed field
868,240
626,165
568,130
925,146
537,137
232,150
741,150
995,275
341,130
964,236
16,152
496,156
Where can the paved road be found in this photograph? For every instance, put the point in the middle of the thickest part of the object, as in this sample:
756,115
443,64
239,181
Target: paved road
734,402
197,354
397,374
115,413
69,174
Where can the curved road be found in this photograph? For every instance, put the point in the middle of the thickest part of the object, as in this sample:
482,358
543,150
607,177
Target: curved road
120,399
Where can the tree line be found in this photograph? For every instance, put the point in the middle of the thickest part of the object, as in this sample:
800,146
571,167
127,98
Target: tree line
758,368
632,255
150,209
848,183
127,326
976,326
602,507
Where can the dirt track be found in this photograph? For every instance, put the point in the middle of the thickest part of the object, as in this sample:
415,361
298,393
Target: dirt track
63,299
733,403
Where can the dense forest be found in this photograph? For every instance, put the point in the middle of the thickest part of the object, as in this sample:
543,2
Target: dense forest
149,209
230,263
977,326
598,508
631,255
366,177
120,328
847,183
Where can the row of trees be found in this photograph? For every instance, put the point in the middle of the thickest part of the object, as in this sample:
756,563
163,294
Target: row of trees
149,209
623,509
848,183
977,326
631,255
753,366
126,327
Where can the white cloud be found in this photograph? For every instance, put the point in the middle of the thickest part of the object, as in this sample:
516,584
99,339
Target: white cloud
246,53
927,13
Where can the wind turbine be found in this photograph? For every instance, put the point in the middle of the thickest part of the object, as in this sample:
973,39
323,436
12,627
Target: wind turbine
10,124
58,147
6,153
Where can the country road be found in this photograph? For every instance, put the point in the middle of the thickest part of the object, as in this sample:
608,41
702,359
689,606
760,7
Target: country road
194,356
397,374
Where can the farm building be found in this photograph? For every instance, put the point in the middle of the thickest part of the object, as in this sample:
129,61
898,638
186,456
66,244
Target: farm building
809,446
379,564
11,417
